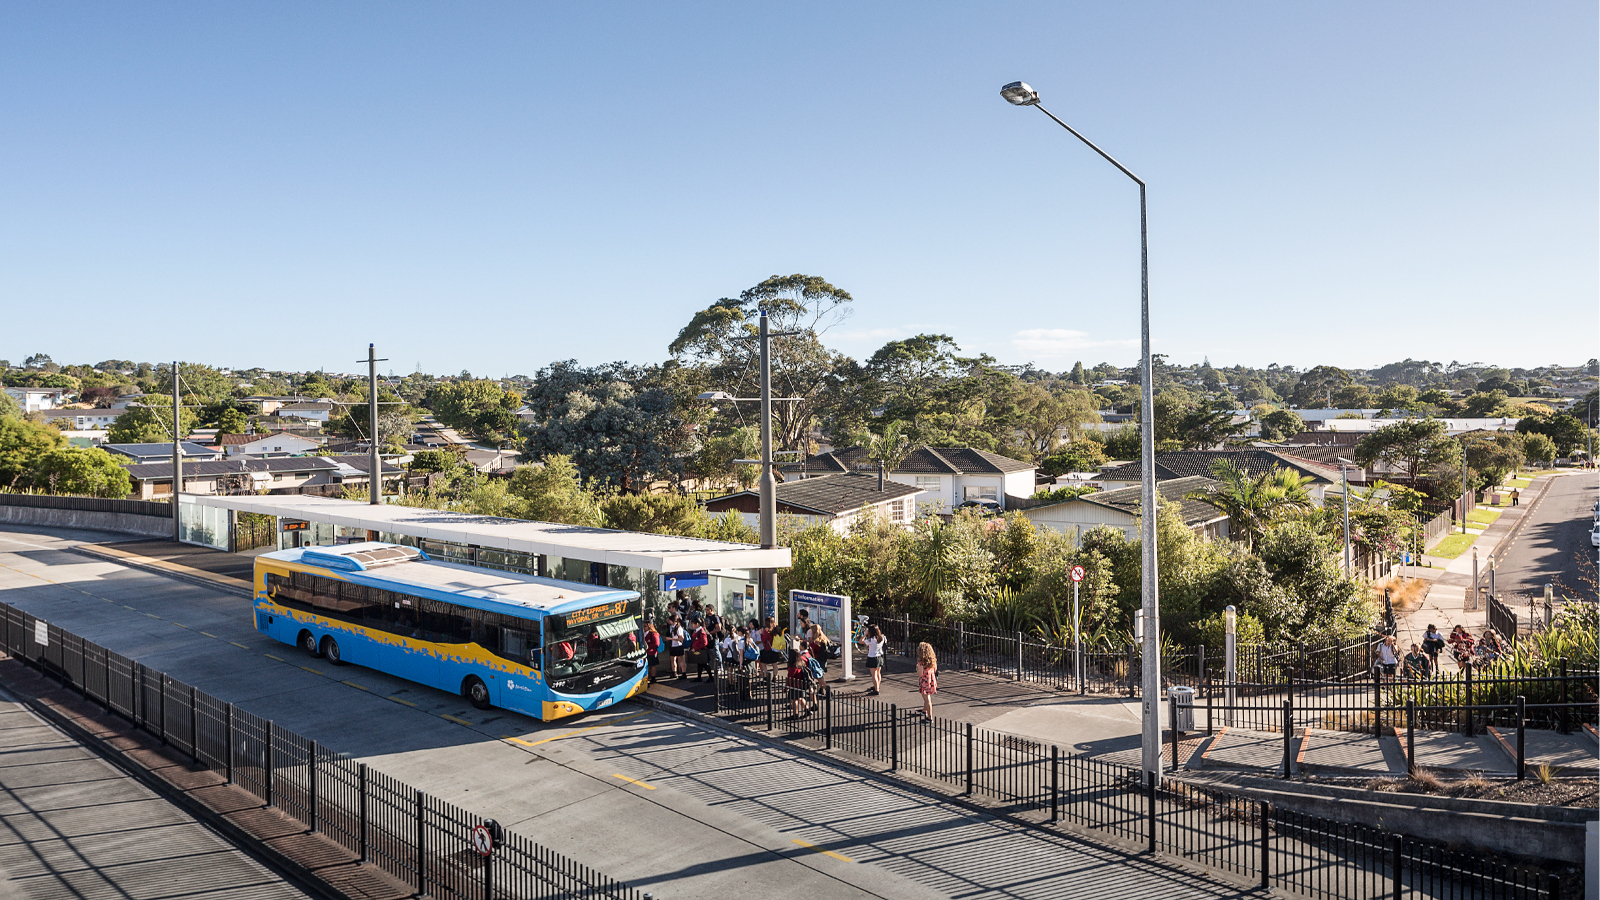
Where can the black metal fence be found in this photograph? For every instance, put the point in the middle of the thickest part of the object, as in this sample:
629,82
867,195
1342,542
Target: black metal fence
419,839
1502,619
1042,786
1016,655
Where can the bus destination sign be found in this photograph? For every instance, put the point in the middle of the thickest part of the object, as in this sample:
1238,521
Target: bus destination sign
596,613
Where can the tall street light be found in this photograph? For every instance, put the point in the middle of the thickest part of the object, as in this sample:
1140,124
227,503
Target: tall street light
1020,94
1345,493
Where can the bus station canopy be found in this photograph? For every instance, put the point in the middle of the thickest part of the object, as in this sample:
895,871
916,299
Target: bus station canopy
657,552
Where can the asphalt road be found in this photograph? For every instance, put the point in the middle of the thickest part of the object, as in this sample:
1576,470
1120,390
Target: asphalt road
1553,540
662,803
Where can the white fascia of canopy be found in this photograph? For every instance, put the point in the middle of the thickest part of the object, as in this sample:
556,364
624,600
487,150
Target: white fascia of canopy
655,552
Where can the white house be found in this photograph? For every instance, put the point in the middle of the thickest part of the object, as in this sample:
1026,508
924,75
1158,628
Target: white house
1120,509
1254,462
82,419
835,500
946,477
38,399
275,443
312,411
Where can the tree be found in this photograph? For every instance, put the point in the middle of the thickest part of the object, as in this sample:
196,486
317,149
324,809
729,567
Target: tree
1565,431
1251,504
1078,456
40,361
1417,447
1492,404
555,493
1398,398
1493,457
1281,424
1123,443
426,462
1045,414
720,339
654,513
479,407
610,421
232,421
81,470
22,443
891,446
1316,387
1077,376
1539,449
1207,425
150,424
9,407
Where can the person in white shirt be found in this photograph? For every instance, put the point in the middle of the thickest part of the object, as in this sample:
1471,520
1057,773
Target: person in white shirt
676,639
874,644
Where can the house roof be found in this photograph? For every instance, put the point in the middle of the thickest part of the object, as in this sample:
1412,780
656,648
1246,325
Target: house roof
1255,463
1176,490
227,440
362,463
305,407
921,461
834,494
71,413
142,451
213,468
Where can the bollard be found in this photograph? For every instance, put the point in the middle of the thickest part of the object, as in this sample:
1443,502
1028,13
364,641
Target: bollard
1522,723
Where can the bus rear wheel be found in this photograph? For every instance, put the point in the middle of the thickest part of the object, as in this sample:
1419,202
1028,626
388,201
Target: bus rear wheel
330,649
476,691
308,643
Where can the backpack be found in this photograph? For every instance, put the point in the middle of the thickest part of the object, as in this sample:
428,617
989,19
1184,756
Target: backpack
814,669
752,651
653,642
700,640
778,642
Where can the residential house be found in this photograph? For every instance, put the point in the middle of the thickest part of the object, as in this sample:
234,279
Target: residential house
356,469
134,397
311,411
945,476
835,500
274,443
161,452
82,419
238,475
1120,509
1254,462
33,399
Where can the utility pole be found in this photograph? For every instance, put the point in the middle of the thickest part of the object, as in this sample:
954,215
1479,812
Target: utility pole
1344,478
376,461
177,456
767,579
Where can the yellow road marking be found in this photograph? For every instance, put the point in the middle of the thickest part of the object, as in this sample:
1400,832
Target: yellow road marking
237,644
208,634
456,720
648,787
356,686
278,658
151,615
406,702
311,670
810,846
580,730
180,624
126,606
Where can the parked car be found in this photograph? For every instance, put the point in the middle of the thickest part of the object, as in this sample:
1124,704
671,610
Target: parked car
984,507
1594,535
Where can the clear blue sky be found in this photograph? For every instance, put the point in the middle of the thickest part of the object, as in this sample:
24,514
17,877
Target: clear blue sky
496,186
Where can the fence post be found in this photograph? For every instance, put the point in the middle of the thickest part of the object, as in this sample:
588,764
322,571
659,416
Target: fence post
227,740
1565,725
161,707
1055,783
1288,737
1150,807
1172,728
1397,863
894,737
1411,736
1468,707
716,691
1377,704
361,782
1019,656
1210,700
1264,816
907,618
194,727
422,859
767,689
969,759
961,645
105,657
827,717
1522,723
311,781
1200,665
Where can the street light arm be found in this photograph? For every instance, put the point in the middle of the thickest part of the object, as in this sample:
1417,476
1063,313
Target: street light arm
1091,145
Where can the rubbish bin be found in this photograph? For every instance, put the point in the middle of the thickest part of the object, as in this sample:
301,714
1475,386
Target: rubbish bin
1183,701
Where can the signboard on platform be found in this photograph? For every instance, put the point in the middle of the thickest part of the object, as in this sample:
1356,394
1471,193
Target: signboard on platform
677,581
832,613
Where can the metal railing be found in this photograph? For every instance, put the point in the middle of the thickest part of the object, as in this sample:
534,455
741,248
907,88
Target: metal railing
410,835
1041,786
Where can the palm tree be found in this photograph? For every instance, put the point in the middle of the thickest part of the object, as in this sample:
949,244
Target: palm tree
1252,504
892,446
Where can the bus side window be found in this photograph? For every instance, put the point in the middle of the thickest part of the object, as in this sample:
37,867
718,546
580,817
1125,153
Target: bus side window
520,646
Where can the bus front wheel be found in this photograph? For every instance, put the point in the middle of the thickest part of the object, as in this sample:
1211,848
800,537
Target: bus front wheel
308,643
476,691
330,649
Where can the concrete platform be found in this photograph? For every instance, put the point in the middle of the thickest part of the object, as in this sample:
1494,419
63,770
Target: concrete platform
1576,751
1349,753
1236,748
1448,751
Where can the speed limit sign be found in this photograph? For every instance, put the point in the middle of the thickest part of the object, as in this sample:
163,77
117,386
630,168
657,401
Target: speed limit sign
482,840
1076,574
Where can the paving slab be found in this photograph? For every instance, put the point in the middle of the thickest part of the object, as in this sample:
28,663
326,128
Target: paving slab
1448,750
1237,748
1346,752
1552,748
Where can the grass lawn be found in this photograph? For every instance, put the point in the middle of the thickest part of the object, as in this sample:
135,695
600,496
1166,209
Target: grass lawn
1452,546
1483,515
1519,482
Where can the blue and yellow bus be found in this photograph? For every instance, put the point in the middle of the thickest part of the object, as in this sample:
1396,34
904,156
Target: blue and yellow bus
537,646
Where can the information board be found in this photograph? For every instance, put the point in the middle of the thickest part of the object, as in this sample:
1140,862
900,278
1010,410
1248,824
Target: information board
832,613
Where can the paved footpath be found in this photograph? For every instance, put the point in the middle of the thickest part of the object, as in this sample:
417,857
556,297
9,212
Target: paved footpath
72,825
669,805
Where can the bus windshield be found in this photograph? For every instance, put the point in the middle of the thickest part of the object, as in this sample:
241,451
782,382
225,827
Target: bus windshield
593,638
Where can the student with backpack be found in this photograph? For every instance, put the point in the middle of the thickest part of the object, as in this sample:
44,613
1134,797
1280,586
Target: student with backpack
700,646
652,649
772,643
675,648
927,677
874,644
802,680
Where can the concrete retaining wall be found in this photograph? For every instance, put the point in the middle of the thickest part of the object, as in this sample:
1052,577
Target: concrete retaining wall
122,523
